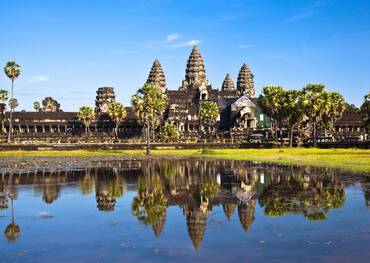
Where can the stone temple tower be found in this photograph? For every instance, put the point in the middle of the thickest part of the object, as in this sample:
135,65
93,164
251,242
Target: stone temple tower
156,76
245,84
195,75
228,83
105,96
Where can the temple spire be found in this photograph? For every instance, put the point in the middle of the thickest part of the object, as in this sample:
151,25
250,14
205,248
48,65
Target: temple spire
228,83
156,75
195,74
245,84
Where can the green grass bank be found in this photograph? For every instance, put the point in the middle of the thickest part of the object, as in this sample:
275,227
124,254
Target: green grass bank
347,159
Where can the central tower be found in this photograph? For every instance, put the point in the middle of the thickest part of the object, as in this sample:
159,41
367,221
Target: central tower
195,74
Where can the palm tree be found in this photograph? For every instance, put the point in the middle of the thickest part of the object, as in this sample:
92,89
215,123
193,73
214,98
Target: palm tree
117,113
365,111
12,70
208,112
3,99
37,106
13,103
86,115
149,104
336,108
317,102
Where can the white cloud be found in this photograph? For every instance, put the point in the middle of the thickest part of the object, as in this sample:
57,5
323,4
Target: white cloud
173,37
192,42
246,46
39,79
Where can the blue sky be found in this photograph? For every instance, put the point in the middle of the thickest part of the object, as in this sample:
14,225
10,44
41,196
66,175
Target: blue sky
69,48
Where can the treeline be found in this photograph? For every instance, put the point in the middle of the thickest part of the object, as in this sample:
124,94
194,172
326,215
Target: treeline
311,108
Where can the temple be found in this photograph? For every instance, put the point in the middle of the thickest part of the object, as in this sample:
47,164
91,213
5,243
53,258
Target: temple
238,105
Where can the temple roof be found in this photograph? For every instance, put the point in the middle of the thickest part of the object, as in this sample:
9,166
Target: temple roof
156,75
245,84
244,101
228,83
350,119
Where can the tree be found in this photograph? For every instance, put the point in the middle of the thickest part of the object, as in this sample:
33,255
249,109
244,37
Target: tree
295,111
37,106
13,103
273,103
149,103
317,103
170,133
86,115
117,113
336,108
12,70
3,98
351,108
365,111
208,112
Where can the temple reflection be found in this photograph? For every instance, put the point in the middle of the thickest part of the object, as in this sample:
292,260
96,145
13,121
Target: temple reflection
195,186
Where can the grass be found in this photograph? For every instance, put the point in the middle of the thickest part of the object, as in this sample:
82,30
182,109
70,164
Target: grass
347,159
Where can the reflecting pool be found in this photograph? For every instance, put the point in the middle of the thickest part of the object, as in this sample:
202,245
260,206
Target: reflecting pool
184,211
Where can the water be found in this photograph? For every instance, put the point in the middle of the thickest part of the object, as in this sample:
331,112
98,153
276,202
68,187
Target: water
185,210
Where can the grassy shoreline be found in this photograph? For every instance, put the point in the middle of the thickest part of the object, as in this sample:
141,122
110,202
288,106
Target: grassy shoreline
354,160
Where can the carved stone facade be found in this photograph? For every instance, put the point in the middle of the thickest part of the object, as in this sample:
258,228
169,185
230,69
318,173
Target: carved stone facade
50,105
105,96
195,74
228,83
156,76
245,83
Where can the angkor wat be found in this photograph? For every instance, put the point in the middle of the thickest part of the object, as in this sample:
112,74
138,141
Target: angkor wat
238,105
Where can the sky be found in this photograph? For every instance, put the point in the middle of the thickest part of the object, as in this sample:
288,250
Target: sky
69,48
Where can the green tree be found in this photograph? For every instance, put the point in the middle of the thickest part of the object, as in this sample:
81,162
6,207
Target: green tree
317,102
3,98
351,108
208,112
336,108
170,133
12,70
86,115
117,113
294,110
149,103
37,106
273,103
365,111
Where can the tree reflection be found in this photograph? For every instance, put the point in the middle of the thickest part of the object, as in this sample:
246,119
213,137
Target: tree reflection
150,204
313,196
86,183
366,190
12,230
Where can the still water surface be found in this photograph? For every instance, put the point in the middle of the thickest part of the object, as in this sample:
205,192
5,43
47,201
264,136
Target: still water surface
185,211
